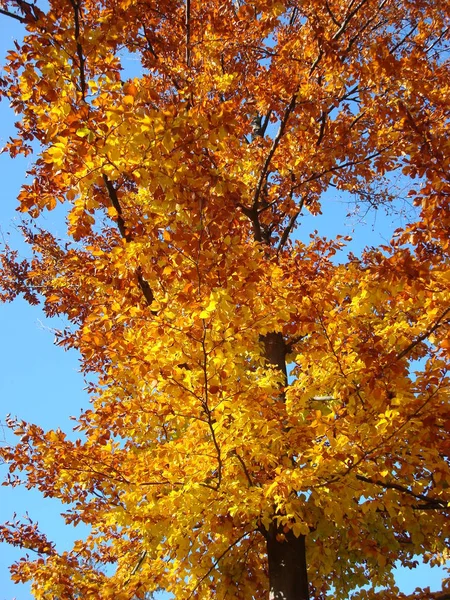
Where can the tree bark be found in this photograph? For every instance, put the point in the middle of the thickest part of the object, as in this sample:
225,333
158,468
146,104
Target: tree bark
275,351
288,577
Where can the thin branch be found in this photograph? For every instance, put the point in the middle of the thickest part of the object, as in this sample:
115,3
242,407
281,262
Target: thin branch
427,507
244,468
330,12
349,163
363,28
335,354
207,410
316,62
437,40
216,562
188,32
31,11
424,335
295,340
81,59
275,143
349,17
265,123
294,15
143,284
323,121
112,193
167,482
435,502
137,566
252,212
366,455
147,39
403,40
12,15
289,228
357,119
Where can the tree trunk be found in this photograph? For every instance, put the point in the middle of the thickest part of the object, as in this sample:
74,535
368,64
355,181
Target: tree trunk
275,351
288,577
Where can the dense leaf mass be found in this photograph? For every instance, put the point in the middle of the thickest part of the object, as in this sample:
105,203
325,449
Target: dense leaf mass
190,298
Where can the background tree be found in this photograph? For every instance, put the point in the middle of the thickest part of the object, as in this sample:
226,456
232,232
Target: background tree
202,468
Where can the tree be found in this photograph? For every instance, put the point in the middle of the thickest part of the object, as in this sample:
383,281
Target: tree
266,419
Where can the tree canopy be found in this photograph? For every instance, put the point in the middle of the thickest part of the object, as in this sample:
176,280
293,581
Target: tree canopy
268,417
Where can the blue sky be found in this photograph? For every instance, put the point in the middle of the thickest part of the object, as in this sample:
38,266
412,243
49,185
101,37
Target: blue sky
41,383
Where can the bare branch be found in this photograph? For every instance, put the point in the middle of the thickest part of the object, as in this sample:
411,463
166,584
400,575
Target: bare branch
316,62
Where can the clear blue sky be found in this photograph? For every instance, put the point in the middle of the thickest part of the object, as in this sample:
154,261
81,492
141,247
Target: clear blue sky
41,383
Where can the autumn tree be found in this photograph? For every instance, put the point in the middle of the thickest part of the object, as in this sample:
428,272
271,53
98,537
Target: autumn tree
269,415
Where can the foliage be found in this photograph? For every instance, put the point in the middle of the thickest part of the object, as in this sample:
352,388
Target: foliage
189,298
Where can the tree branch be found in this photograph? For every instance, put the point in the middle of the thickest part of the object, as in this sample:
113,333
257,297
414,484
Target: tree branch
136,567
323,121
188,32
430,502
143,284
287,231
330,12
209,416
265,123
112,193
244,468
363,28
424,335
30,11
216,562
272,150
81,59
348,18
290,226
12,15
349,163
